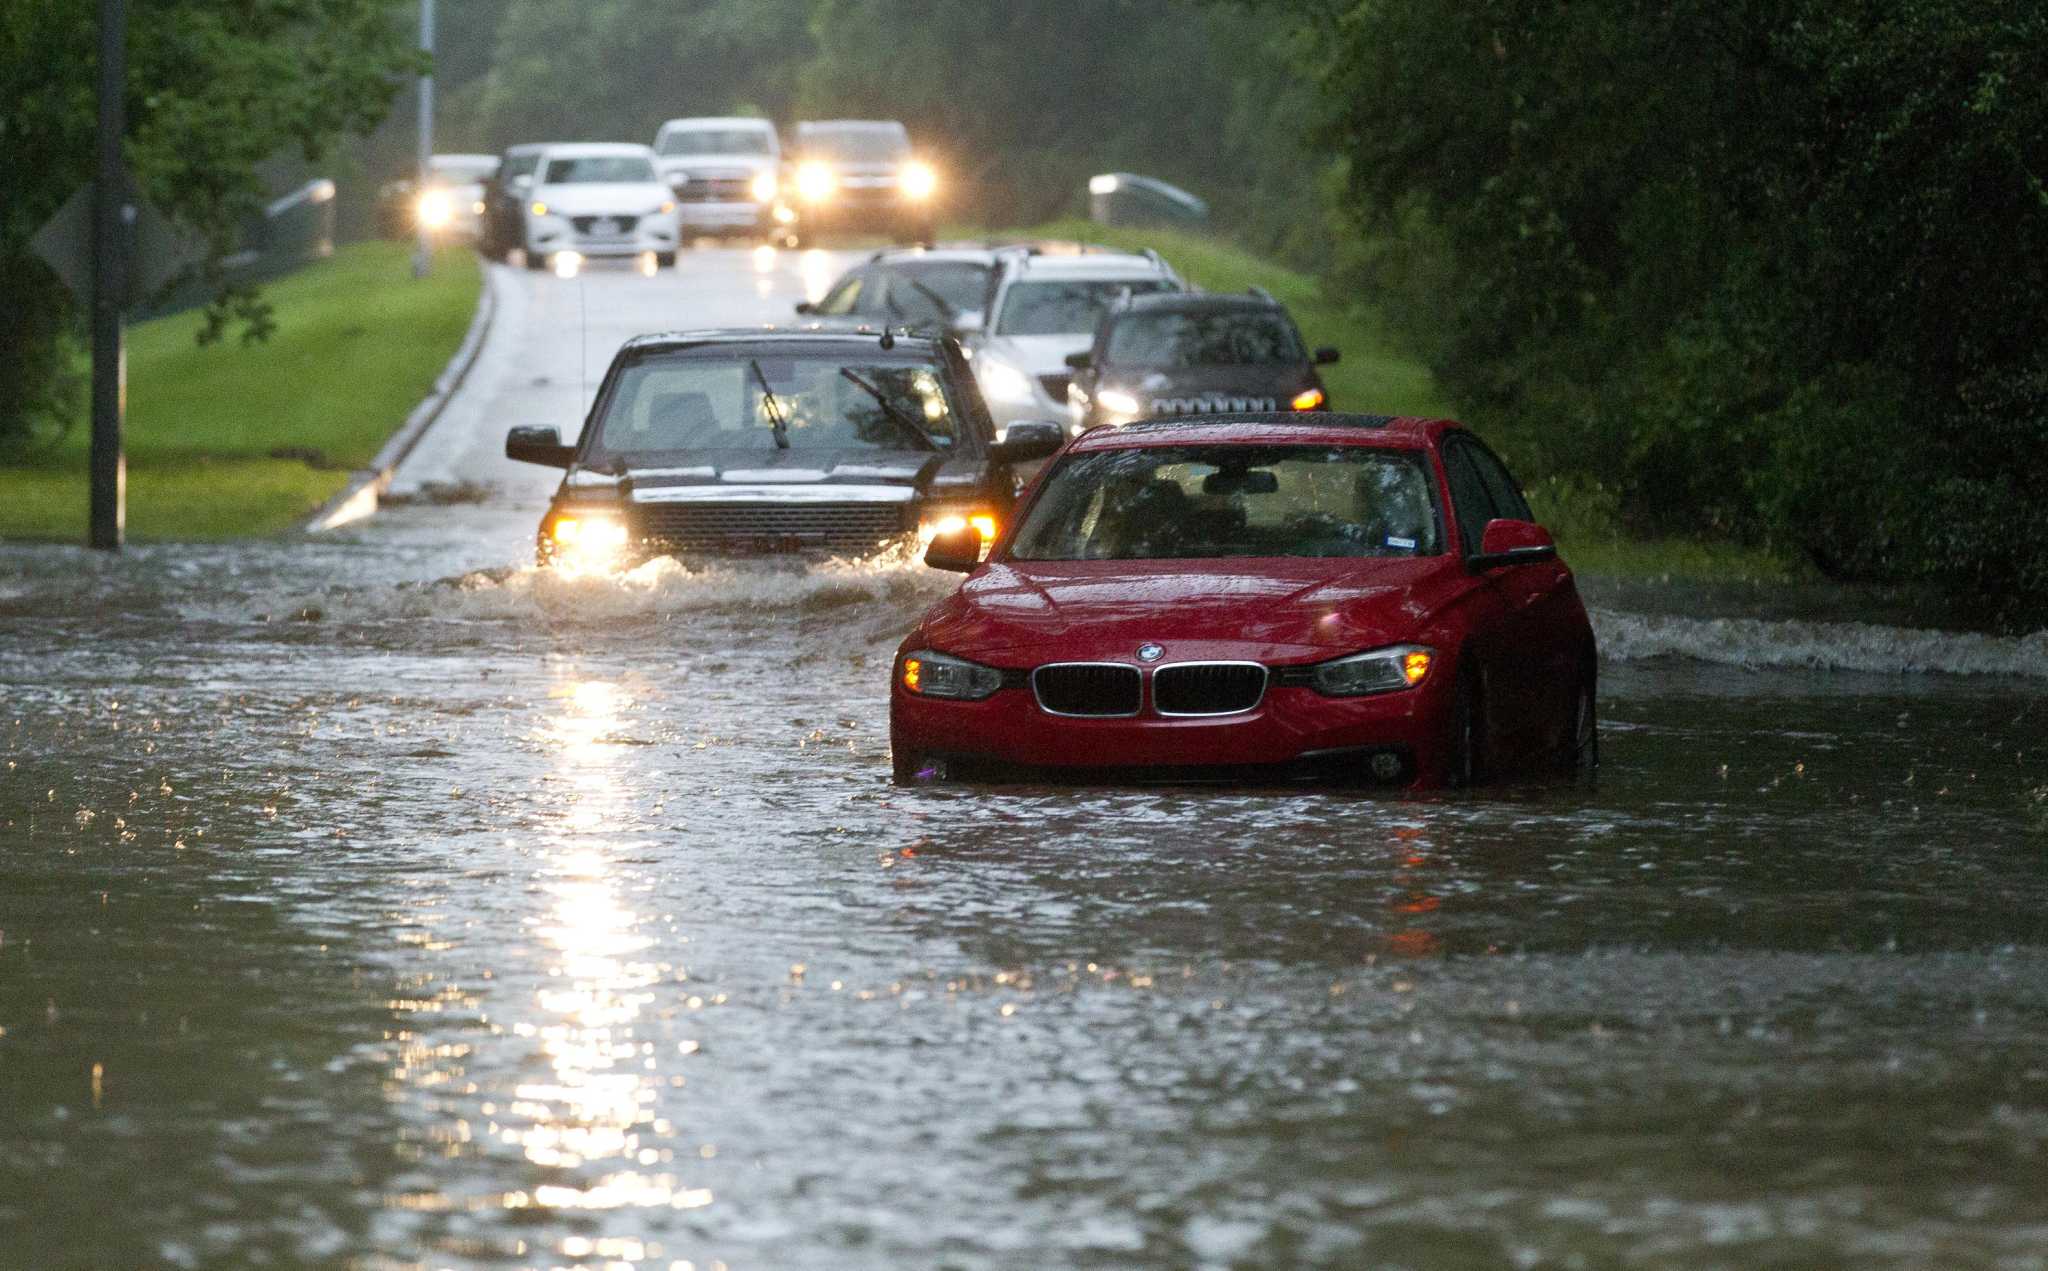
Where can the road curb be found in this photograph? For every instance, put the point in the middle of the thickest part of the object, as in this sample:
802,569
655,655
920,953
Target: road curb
367,486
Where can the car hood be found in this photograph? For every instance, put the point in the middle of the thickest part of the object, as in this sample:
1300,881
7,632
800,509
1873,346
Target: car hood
860,475
1284,380
716,165
1037,354
1019,613
636,198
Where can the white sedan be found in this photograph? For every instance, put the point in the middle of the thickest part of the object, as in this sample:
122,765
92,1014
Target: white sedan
599,200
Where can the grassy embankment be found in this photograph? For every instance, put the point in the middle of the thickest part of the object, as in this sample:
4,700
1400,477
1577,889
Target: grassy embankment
1377,376
235,441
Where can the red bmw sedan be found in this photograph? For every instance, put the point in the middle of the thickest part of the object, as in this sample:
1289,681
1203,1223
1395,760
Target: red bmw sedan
1252,597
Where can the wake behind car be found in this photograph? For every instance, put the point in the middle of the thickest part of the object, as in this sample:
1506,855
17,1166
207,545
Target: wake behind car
1195,353
776,441
598,199
1259,596
861,174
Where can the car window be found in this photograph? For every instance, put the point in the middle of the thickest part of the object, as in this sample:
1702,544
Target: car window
517,166
1221,337
1066,308
961,285
700,403
1471,502
1500,486
1193,502
844,295
598,170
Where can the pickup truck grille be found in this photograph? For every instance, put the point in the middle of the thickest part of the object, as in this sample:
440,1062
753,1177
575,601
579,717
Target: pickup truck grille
1087,688
1207,688
737,189
769,526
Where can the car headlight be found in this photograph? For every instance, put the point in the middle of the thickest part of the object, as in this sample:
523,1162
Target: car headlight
540,209
928,674
1117,402
435,209
765,187
815,181
918,180
589,539
984,524
1378,671
1309,399
1002,382
666,207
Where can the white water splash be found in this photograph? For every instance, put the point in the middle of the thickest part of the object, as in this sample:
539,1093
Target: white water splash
1820,646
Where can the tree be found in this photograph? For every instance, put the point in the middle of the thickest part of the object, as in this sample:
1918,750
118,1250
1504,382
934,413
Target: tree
215,88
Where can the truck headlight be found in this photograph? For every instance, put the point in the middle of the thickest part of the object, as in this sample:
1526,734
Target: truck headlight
1378,671
765,187
589,540
918,180
1002,382
815,181
928,674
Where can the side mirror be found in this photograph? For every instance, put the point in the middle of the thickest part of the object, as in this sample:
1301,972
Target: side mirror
1080,361
1507,542
539,445
521,183
1327,356
805,306
969,322
1029,439
959,551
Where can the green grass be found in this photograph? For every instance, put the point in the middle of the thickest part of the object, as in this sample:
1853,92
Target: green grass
1378,377
236,441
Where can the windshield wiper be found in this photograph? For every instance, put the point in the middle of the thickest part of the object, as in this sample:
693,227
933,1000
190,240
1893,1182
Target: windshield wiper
776,419
910,426
946,311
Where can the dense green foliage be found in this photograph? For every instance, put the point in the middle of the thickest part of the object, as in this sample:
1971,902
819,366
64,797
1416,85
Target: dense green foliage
216,88
1773,270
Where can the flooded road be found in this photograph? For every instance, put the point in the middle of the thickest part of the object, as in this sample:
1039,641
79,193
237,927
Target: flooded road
375,900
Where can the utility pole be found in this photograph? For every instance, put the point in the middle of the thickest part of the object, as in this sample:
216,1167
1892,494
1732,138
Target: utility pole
111,217
423,250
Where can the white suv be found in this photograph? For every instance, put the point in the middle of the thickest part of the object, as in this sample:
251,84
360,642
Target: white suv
725,171
598,199
1044,305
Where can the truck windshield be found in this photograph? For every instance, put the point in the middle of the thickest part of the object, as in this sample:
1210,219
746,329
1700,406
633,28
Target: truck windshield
694,141
857,145
1192,502
667,405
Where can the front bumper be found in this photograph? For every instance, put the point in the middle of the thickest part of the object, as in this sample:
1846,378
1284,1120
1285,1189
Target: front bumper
547,235
729,217
1294,731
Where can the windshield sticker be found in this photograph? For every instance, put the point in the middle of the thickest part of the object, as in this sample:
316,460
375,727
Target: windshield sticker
1405,544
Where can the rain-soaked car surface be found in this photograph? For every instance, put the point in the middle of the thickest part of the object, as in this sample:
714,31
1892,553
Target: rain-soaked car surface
1259,596
381,900
771,441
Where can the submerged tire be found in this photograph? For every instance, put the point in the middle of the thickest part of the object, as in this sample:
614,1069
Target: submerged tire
1464,766
1581,755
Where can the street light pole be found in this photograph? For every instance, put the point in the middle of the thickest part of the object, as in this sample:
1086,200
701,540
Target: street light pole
423,250
111,215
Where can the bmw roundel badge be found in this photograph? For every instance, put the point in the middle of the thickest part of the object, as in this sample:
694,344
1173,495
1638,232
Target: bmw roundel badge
1150,653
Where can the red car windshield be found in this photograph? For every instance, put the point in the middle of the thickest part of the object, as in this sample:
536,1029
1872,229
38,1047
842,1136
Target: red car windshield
1192,502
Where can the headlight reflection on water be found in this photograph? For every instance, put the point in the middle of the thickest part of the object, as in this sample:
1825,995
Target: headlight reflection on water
596,1109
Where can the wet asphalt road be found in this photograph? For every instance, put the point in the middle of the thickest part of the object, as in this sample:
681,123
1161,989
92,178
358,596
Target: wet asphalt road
377,901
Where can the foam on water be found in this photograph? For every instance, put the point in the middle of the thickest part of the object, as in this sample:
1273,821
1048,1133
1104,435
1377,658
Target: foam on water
1819,646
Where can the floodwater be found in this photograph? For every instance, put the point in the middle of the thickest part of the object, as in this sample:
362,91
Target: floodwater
377,901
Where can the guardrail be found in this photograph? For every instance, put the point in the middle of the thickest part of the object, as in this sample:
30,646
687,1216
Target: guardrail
1125,198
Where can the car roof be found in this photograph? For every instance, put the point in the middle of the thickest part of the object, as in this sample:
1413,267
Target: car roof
1320,428
1029,263
754,122
597,149
813,338
934,255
